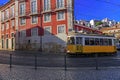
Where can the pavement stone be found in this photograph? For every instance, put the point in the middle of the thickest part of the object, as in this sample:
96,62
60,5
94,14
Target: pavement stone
46,73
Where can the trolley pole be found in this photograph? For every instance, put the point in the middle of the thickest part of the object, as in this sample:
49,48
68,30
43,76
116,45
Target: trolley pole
96,60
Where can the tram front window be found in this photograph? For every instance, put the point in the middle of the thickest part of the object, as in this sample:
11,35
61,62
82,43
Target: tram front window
86,41
78,40
101,41
97,41
105,41
110,41
71,40
92,42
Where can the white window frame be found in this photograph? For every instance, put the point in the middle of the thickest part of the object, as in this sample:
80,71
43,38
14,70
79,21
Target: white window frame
58,3
31,7
61,26
48,7
49,20
2,16
12,11
22,12
49,31
35,20
34,30
7,13
58,15
21,21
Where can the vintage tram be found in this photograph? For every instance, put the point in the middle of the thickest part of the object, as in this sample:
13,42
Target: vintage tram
90,43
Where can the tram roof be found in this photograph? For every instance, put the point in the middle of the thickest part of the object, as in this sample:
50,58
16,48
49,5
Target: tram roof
97,35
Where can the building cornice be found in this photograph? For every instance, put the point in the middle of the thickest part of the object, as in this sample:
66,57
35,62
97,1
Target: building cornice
7,4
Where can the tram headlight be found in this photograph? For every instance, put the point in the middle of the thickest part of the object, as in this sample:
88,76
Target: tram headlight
68,51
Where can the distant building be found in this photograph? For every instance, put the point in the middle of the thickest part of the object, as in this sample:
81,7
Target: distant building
104,23
108,23
84,23
86,30
93,23
114,30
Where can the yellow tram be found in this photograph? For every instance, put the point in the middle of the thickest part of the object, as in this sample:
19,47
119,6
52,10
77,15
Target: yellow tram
87,44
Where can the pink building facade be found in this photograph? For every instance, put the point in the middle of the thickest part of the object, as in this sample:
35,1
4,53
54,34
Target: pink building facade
36,24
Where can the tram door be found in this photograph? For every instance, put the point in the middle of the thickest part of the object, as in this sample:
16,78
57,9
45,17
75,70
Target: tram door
79,44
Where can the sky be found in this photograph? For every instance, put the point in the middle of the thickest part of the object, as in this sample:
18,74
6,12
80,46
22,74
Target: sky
94,9
97,9
3,2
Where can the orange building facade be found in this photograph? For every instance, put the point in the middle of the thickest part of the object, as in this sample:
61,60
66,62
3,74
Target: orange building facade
114,30
36,24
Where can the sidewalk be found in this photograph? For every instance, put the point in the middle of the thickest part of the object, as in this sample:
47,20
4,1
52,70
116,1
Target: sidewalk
32,52
46,73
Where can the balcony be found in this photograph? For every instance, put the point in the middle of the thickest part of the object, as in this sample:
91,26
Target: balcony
46,11
23,14
60,8
36,12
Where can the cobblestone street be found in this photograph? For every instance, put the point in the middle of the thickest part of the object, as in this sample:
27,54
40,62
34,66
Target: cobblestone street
44,73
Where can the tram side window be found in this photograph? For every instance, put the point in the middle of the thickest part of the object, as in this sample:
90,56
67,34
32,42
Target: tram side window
89,41
92,42
101,42
86,41
116,42
110,41
78,40
105,41
71,40
97,42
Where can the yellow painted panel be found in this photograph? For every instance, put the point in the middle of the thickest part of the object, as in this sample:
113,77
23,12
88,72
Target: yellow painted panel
99,49
74,48
71,48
